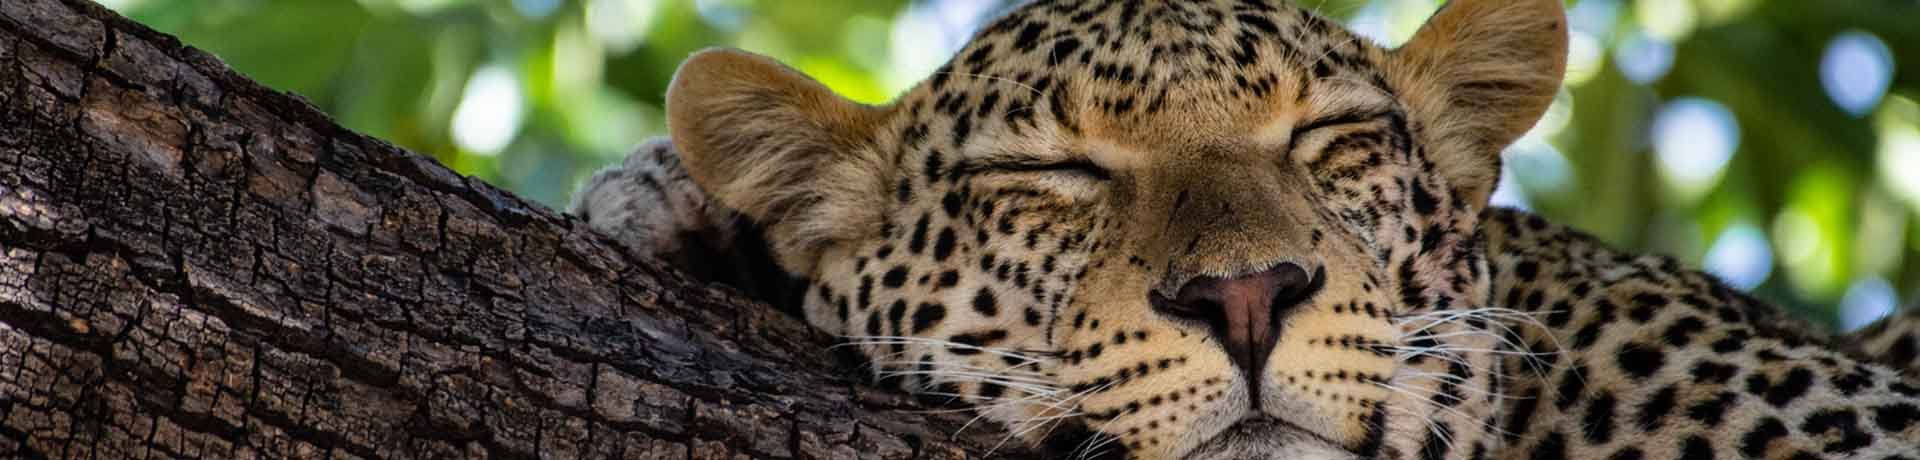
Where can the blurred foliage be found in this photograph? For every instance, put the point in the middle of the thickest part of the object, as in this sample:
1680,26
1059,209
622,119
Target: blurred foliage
1774,142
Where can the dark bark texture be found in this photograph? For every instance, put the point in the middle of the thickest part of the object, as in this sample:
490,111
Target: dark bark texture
192,265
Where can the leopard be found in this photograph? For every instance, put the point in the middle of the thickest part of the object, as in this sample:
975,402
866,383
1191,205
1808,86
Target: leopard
1232,229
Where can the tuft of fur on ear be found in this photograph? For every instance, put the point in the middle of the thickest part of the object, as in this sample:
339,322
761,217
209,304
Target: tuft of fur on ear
781,149
1477,76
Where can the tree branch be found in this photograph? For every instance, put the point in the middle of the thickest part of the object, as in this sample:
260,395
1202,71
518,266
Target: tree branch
194,265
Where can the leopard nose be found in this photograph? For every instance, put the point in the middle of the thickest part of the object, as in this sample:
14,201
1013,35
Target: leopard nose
1244,311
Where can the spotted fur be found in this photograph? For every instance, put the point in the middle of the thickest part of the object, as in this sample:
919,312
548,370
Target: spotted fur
1894,340
1641,358
998,236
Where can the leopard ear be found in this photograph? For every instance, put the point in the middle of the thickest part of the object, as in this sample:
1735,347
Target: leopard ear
781,149
1477,76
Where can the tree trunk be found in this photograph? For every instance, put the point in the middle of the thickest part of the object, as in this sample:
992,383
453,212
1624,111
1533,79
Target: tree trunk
192,265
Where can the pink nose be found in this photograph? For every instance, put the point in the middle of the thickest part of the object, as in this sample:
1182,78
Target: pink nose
1244,311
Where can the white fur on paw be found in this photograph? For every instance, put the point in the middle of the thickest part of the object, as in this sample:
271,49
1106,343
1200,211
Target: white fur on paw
649,204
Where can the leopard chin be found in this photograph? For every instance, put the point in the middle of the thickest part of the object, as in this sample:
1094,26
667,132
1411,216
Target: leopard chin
1268,438
1252,438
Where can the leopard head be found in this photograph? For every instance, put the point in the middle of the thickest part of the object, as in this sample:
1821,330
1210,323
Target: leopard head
1207,229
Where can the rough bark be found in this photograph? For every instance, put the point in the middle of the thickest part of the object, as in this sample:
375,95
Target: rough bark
192,265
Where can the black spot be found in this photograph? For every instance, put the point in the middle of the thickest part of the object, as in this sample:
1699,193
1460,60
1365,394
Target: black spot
1553,447
1029,36
1534,300
1850,382
895,277
1526,270
918,242
962,127
1599,422
1790,388
1561,314
1588,334
1244,54
1696,448
987,104
1754,443
1519,421
1730,314
973,341
1641,361
1628,453
1062,48
1423,201
979,55
943,245
948,279
1712,372
990,391
1654,409
1734,341
1903,351
1896,417
1573,381
928,315
932,168
1070,440
1840,425
951,202
1710,411
1681,331
1431,240
896,313
1258,22
865,297
1439,438
1376,431
1646,305
984,304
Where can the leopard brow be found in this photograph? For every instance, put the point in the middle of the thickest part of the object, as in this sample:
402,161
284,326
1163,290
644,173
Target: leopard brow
1012,162
1341,118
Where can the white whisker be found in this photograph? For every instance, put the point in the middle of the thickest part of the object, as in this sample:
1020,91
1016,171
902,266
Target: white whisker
907,340
1416,397
1029,88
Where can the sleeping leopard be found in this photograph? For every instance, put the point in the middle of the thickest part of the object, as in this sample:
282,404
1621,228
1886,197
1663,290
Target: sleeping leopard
1234,230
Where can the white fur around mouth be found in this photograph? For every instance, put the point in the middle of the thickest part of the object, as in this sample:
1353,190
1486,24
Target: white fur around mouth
1268,438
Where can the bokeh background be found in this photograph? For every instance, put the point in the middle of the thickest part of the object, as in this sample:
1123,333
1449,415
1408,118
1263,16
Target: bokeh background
1775,143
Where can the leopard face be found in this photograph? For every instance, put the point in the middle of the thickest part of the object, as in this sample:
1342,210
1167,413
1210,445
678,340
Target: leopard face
1210,229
